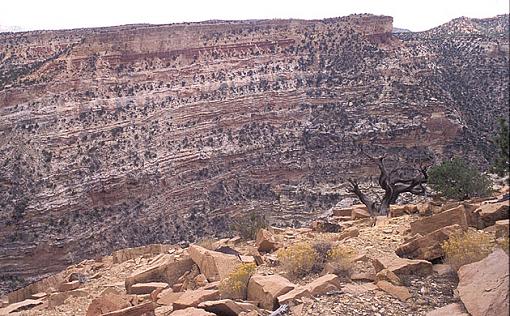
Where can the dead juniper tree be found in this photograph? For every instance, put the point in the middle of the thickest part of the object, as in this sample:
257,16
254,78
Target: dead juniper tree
394,179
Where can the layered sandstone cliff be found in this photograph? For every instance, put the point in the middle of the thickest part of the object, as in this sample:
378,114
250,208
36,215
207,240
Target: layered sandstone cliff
123,136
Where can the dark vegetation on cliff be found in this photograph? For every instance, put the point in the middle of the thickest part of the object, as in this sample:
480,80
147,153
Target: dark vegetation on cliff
116,137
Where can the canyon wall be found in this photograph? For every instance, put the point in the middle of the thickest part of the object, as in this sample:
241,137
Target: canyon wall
123,136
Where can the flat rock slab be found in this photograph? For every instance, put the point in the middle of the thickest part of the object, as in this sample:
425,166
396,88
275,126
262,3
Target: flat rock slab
450,217
428,247
265,289
19,306
195,297
400,292
137,310
402,266
227,307
147,288
192,311
483,285
454,309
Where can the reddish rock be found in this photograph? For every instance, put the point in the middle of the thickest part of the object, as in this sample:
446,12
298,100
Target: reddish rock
324,284
195,297
69,286
450,217
166,268
192,311
143,309
443,269
297,293
214,265
402,266
492,212
168,297
347,233
109,301
427,247
387,275
400,210
454,309
400,292
265,241
57,299
363,277
483,285
266,289
359,213
26,304
147,288
227,307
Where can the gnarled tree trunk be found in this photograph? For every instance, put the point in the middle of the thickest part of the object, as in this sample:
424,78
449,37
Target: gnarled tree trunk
393,183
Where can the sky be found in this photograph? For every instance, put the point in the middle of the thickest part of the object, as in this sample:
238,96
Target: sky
64,14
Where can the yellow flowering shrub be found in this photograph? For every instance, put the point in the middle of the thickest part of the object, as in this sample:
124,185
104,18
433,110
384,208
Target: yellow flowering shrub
298,259
466,247
236,283
342,258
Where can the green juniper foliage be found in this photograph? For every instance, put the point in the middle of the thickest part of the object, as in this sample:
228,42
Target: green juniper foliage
456,179
501,163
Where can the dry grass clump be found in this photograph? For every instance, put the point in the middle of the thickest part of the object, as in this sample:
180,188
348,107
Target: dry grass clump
466,247
504,244
341,257
304,258
207,243
298,259
236,284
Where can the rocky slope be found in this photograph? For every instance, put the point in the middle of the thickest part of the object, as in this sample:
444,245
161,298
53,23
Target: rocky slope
166,279
123,136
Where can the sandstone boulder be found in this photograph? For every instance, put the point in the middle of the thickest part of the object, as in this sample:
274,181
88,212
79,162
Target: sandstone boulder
69,286
147,288
143,309
402,266
29,303
266,289
492,212
108,301
195,297
442,269
324,284
348,233
227,307
387,275
265,241
57,299
297,293
167,268
400,210
427,247
450,217
454,309
214,265
359,213
192,311
168,297
400,292
483,285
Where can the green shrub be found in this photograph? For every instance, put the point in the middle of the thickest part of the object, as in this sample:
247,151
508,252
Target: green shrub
456,179
501,162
